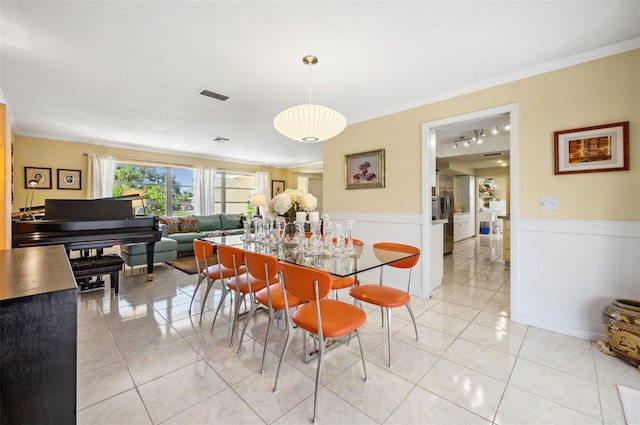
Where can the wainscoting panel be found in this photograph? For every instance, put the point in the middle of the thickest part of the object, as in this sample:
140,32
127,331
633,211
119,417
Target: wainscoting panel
400,228
568,270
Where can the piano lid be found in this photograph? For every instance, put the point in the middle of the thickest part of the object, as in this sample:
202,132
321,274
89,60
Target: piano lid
88,209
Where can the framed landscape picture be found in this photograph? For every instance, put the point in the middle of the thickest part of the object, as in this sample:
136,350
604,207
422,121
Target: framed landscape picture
365,170
40,177
69,179
592,149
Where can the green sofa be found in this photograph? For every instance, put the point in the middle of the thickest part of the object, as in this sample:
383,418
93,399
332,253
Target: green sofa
185,229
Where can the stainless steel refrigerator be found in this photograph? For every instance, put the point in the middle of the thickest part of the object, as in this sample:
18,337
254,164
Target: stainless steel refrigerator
445,194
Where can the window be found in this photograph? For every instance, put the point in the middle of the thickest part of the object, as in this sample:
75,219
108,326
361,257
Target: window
157,182
233,192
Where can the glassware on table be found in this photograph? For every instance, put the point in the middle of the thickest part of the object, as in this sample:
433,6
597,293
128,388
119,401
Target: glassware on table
246,232
350,248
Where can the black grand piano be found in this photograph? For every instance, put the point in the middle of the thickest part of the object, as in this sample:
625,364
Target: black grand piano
89,224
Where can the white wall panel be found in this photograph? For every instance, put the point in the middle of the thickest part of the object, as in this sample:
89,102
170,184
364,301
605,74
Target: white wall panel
400,228
568,270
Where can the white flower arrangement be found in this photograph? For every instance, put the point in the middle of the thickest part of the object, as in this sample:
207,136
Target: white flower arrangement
292,201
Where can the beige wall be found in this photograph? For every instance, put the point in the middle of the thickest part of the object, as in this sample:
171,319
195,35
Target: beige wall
598,92
35,152
5,178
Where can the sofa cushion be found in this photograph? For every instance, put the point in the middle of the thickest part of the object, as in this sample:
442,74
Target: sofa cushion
188,224
184,237
231,221
173,226
209,223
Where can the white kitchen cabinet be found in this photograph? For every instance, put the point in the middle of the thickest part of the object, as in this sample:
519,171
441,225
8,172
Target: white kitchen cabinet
461,225
466,200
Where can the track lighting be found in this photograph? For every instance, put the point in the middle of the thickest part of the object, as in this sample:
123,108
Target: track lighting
478,135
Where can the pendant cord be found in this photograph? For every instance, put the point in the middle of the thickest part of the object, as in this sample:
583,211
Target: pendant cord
309,83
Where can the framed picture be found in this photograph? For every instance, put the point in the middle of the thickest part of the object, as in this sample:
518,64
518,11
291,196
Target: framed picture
277,187
365,170
69,179
592,149
40,177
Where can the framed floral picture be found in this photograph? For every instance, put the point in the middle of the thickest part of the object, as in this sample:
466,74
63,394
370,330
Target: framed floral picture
37,177
365,170
277,187
69,179
592,149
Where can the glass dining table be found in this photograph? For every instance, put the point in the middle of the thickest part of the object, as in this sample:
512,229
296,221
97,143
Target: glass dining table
339,260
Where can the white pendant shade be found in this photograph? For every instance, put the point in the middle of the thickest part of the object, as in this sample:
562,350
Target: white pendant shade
310,123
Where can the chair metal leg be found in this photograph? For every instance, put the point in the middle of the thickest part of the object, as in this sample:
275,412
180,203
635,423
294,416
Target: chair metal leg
204,301
413,319
200,279
284,352
266,340
389,333
234,325
215,316
252,311
318,373
364,366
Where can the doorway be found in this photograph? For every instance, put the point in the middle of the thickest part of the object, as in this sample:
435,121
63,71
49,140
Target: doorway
428,180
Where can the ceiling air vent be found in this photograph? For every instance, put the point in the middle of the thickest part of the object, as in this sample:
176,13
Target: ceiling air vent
221,140
492,154
214,95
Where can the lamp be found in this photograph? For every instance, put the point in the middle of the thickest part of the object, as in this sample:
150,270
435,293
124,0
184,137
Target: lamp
28,203
258,200
310,123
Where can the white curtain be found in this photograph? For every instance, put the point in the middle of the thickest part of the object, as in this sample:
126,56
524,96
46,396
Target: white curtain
101,170
204,190
262,184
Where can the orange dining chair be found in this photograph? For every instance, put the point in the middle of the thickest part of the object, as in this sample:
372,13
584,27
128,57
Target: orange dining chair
345,282
321,316
241,283
266,268
387,297
203,252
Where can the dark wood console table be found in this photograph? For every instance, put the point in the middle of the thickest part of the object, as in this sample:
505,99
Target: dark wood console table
38,336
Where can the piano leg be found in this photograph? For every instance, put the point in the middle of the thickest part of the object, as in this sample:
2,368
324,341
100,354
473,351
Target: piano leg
150,249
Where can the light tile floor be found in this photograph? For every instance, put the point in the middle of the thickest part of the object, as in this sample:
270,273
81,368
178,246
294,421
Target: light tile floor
142,359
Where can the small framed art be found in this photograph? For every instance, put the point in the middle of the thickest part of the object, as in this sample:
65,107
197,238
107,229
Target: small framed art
69,179
365,170
37,177
592,149
277,187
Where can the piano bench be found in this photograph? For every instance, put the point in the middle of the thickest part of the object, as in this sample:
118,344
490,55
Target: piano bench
110,264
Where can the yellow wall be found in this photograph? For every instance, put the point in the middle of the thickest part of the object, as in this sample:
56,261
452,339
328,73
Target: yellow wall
5,179
598,92
54,154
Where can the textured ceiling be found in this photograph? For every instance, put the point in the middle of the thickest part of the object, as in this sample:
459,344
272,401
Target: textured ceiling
129,74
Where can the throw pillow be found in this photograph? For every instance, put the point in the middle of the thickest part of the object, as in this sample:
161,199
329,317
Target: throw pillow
172,224
188,225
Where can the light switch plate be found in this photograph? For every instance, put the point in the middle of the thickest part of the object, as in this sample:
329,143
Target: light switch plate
548,203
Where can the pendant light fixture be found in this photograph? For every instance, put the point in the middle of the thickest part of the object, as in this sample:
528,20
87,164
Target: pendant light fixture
310,123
